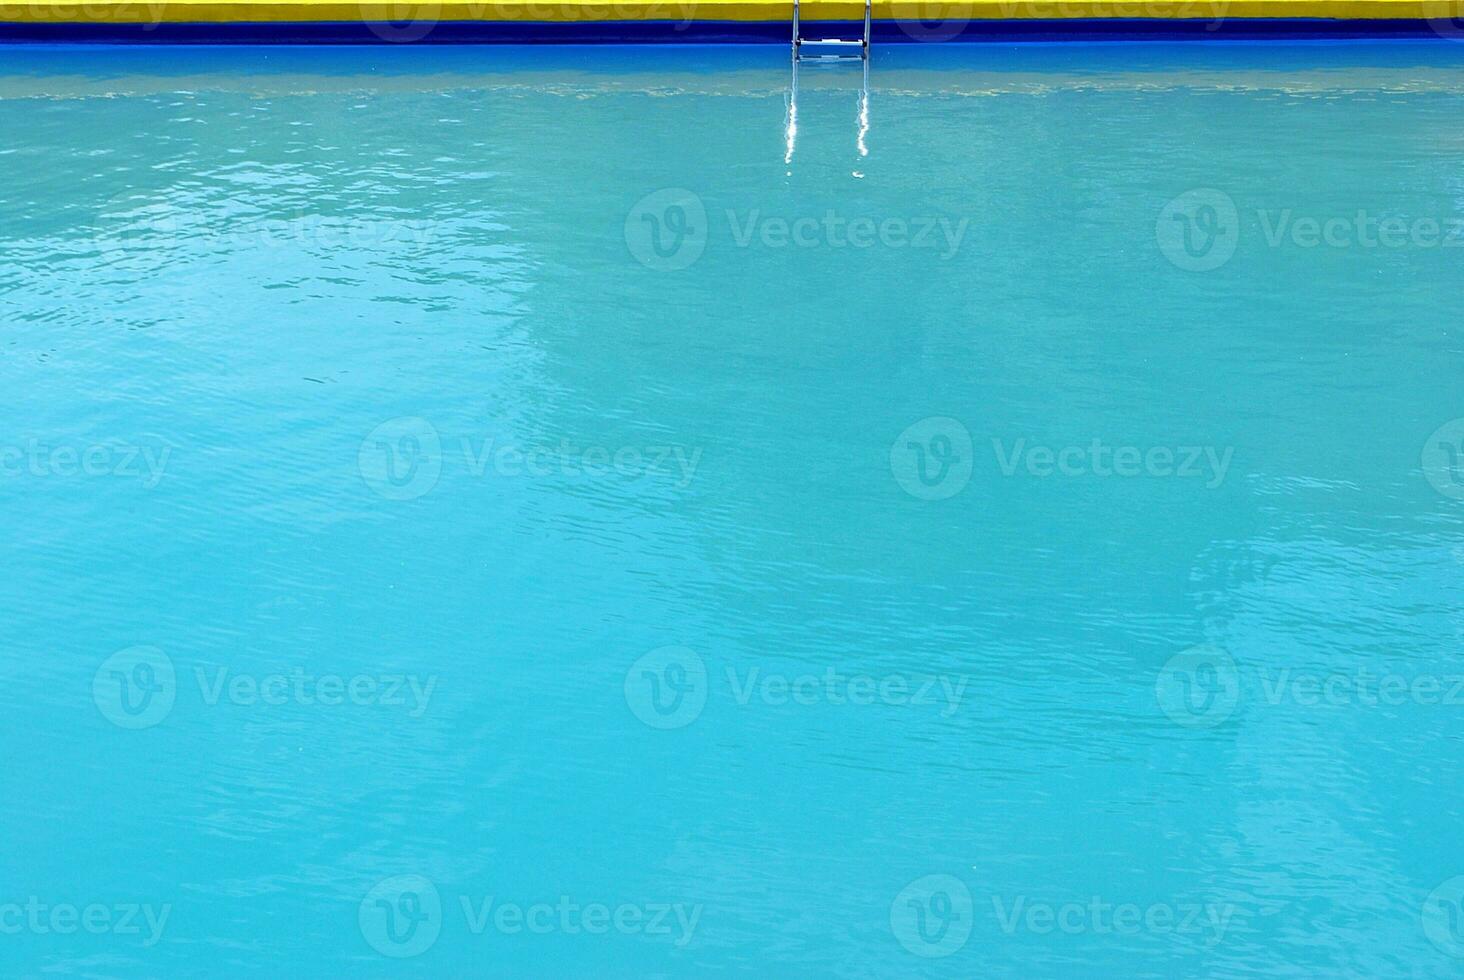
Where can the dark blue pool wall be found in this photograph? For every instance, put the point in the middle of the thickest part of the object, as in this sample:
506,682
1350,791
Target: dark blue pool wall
721,32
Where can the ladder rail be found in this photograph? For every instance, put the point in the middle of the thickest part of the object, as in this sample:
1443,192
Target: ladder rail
863,43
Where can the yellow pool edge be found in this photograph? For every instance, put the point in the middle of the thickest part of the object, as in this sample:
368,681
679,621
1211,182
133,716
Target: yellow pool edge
768,11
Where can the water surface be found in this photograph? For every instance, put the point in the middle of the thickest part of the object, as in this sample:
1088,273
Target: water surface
528,512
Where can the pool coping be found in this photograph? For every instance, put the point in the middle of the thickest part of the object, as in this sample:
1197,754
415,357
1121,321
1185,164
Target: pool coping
714,21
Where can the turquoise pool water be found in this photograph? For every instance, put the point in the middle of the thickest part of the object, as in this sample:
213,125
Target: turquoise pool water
528,513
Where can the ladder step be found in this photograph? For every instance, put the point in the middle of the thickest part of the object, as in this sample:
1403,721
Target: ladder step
843,46
827,48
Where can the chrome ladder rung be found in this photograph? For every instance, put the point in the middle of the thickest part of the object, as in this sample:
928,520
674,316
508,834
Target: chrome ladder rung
831,42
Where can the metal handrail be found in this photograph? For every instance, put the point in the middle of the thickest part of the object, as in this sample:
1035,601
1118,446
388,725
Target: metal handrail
863,43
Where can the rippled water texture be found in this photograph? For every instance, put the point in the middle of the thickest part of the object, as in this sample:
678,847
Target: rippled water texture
527,512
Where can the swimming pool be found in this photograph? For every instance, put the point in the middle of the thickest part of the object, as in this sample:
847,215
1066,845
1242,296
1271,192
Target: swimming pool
585,511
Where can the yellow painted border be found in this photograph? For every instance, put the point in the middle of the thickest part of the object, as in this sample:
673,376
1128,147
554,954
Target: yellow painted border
571,11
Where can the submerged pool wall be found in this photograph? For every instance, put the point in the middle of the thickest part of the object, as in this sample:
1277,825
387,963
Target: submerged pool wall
714,21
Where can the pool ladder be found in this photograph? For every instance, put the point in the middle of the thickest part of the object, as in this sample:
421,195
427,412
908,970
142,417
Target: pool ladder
790,118
837,47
